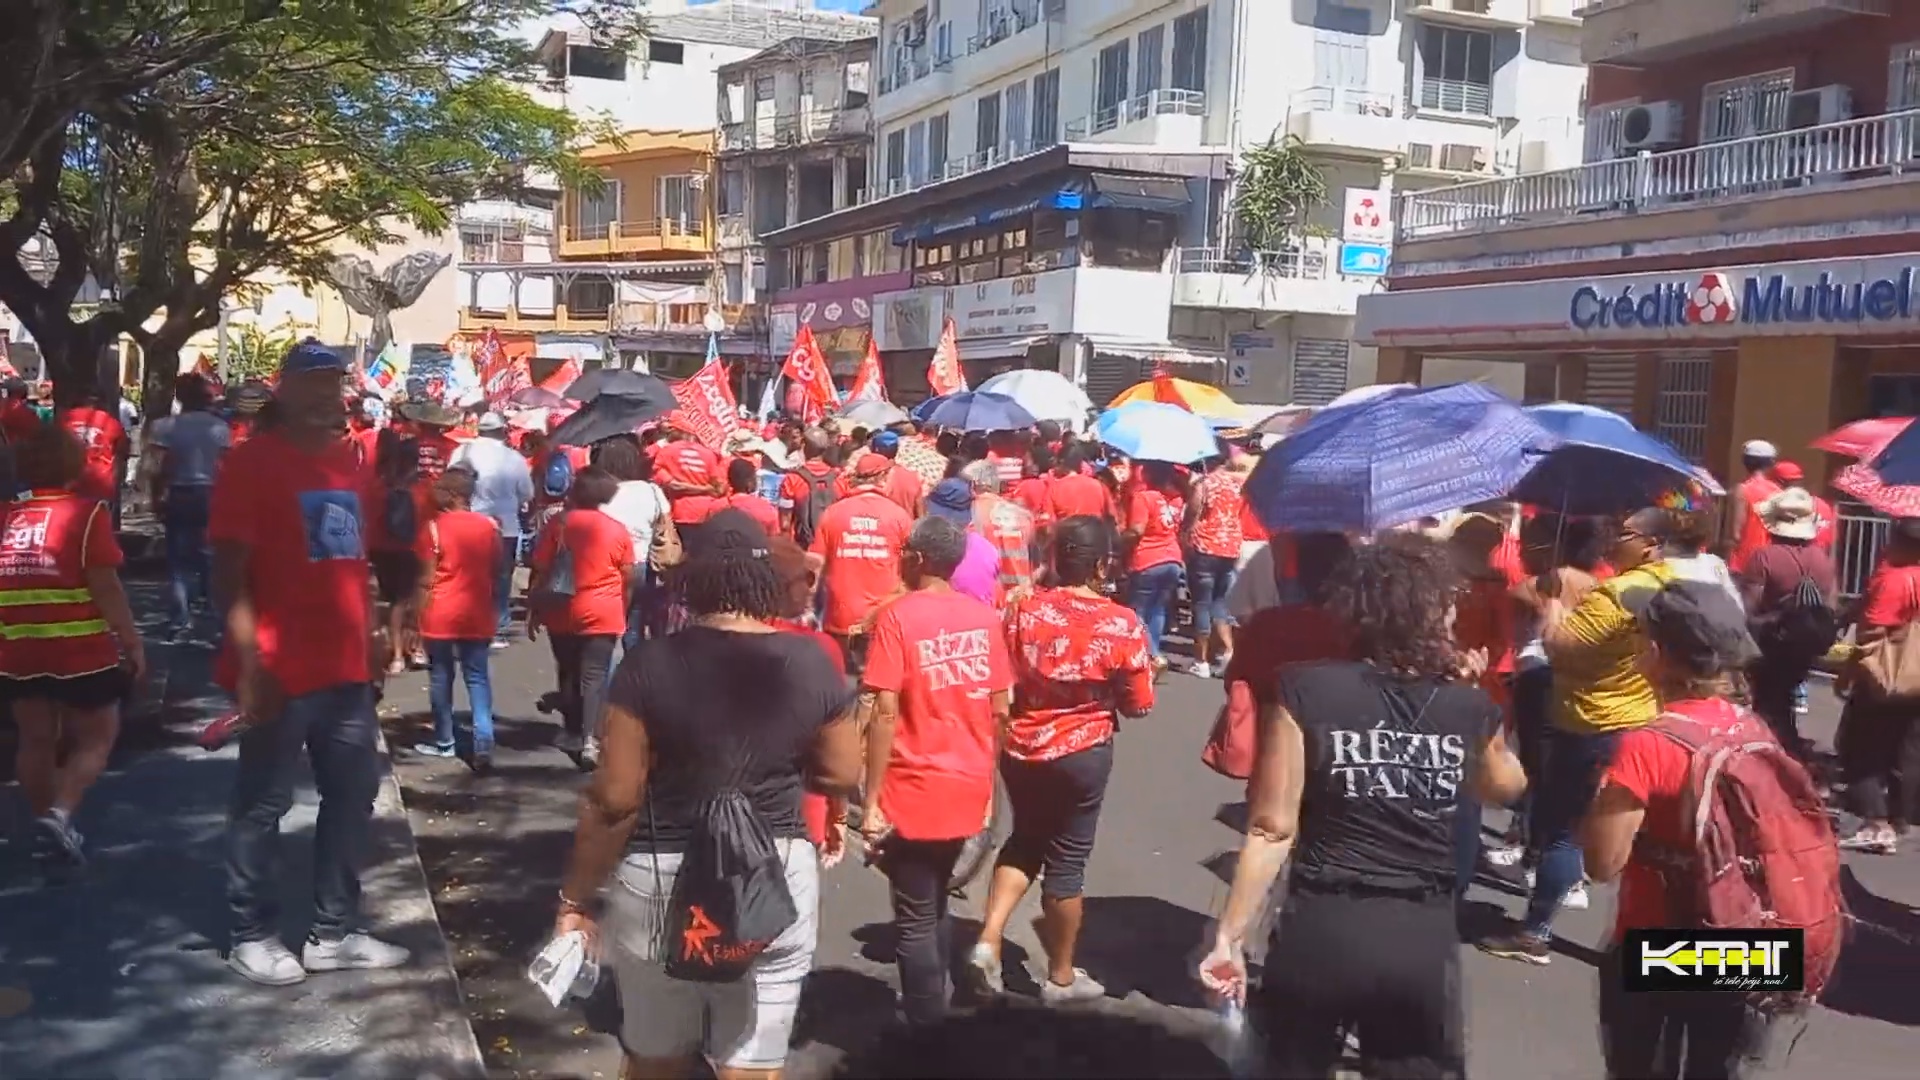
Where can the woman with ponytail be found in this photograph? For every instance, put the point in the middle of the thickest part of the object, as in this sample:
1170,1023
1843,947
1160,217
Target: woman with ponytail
1080,661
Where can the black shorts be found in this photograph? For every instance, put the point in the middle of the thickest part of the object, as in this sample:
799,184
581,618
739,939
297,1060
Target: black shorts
93,691
1056,812
397,573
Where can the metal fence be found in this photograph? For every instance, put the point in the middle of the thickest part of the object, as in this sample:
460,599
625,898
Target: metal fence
1856,548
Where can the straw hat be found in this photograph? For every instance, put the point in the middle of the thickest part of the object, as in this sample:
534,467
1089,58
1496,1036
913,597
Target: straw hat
1790,515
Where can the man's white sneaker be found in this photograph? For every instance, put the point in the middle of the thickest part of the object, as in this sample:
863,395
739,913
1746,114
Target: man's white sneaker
355,952
1083,988
1505,856
1201,669
985,967
269,963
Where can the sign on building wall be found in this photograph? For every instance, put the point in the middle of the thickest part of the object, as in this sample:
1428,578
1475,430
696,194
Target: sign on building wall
1368,218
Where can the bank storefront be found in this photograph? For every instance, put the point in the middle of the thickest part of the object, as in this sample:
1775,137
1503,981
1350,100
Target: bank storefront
1097,325
1707,358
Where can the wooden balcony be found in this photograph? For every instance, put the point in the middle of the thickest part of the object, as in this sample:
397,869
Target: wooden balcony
559,320
638,316
659,236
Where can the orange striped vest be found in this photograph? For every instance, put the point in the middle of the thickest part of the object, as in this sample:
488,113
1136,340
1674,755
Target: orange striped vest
49,624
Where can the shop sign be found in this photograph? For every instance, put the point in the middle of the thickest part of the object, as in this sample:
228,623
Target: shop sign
1009,307
1757,300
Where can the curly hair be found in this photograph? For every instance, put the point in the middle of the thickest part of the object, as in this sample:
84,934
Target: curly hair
1394,595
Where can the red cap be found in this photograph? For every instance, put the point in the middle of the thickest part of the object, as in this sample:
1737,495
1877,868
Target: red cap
870,466
1788,473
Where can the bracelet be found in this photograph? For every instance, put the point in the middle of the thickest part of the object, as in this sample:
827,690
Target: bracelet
571,906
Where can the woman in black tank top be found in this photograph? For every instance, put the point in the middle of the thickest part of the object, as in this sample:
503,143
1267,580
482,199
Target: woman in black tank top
1361,770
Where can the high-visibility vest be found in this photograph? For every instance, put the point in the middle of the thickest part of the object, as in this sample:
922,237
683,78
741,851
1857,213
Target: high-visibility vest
49,623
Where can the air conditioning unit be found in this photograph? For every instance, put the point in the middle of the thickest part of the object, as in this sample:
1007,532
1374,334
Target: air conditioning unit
1821,105
1419,155
1651,126
1464,157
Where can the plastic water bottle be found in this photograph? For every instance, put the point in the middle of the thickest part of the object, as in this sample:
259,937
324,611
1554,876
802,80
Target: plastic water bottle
1237,1043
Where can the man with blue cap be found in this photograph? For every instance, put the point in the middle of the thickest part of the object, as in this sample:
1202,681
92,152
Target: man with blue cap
903,486
288,526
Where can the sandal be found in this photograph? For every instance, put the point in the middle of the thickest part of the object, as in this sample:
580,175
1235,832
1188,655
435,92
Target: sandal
1875,842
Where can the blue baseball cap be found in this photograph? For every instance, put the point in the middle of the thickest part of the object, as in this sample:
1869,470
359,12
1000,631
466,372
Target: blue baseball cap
952,499
886,442
310,355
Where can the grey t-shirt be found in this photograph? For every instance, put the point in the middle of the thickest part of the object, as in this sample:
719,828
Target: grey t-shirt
194,442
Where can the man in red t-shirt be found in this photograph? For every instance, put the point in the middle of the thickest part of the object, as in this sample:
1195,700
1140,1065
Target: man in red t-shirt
807,491
1745,533
105,441
938,666
903,485
694,476
288,524
857,550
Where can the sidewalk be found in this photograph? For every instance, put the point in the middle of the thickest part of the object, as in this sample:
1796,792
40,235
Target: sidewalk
122,974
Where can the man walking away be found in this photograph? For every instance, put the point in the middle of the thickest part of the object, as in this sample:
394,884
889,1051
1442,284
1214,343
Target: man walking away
503,486
290,571
808,490
1789,588
938,666
188,447
1745,534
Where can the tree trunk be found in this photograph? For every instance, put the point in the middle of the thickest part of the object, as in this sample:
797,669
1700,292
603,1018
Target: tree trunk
159,368
76,358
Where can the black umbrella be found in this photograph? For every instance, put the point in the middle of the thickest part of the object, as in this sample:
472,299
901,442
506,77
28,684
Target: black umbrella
619,382
608,415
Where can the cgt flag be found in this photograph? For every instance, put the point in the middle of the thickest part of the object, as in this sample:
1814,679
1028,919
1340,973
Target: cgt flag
806,368
944,373
869,383
707,409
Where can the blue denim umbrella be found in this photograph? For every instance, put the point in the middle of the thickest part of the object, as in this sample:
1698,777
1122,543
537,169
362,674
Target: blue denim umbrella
924,410
1396,458
979,410
1899,463
1604,465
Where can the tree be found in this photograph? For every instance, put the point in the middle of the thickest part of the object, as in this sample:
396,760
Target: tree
253,353
318,126
1277,187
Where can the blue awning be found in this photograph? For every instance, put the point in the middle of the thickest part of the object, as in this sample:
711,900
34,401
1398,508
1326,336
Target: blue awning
1067,196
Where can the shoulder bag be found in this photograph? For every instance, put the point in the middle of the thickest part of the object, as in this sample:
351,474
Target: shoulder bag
1889,669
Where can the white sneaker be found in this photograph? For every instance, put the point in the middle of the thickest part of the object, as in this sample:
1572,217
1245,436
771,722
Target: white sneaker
1529,876
1083,988
1506,855
269,963
590,754
1578,899
1200,670
985,967
63,841
355,952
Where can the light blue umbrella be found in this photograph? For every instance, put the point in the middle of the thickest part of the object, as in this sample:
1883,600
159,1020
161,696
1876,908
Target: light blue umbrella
978,410
1156,431
1396,458
1604,465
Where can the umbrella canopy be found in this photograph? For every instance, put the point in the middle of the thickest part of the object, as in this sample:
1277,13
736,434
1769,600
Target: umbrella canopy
535,397
1862,440
608,415
1396,458
1048,395
1899,461
1187,394
619,382
873,414
1862,482
1285,421
923,412
1604,465
979,410
1156,431
1360,394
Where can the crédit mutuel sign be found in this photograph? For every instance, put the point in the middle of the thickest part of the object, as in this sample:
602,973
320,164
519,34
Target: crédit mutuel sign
1717,299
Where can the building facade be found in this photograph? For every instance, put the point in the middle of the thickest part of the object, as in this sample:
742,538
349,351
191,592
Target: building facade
1735,260
1127,119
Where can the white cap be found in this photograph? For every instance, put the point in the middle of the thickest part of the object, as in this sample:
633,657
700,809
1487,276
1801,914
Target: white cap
492,422
1758,448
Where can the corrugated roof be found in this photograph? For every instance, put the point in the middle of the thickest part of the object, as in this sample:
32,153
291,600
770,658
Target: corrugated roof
795,49
752,26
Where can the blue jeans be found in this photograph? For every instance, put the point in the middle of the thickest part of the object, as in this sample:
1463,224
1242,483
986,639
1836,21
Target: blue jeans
1150,594
471,656
503,583
339,732
1209,580
647,612
1570,770
189,562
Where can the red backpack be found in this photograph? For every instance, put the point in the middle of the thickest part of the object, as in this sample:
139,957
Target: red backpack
1764,855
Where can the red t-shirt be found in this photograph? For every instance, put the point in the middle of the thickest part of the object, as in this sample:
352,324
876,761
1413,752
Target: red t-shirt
1078,494
860,538
1754,490
465,550
794,487
903,486
303,518
755,507
101,434
1892,596
1156,515
684,461
1654,769
944,655
1217,531
1077,662
1484,619
18,421
1277,636
602,551
1032,493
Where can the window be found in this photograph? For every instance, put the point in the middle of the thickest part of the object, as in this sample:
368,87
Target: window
806,83
1190,51
679,202
1109,86
1737,108
987,126
937,149
595,211
813,265
732,285
1681,404
1903,78
1149,45
733,190
666,52
1016,118
855,86
1340,62
917,154
1046,110
1342,18
763,88
896,155
843,259
594,62
1456,70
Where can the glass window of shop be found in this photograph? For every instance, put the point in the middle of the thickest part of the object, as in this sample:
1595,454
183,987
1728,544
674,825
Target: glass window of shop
1021,245
1130,239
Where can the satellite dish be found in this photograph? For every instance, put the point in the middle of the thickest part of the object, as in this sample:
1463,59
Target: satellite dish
713,322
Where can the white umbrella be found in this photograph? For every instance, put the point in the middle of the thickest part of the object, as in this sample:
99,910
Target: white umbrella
873,414
1048,395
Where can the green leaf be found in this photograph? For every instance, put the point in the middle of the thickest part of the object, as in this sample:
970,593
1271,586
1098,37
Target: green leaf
1277,186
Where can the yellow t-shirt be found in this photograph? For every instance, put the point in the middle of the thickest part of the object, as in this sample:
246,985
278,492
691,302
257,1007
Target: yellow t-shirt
1597,684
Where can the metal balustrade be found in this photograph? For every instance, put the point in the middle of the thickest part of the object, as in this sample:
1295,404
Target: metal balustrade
1350,100
1299,265
1134,109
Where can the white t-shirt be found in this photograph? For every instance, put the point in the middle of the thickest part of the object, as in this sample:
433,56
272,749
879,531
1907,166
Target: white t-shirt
1707,569
637,504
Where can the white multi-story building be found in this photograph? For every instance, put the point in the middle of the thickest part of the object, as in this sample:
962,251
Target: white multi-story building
1382,94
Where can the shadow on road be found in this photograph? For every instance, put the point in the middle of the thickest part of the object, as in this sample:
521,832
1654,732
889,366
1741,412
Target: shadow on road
1144,944
1875,976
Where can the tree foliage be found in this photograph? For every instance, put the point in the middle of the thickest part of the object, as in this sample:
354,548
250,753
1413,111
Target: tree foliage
1277,186
270,146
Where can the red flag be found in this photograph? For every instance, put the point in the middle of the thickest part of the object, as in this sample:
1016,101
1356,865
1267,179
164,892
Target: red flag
869,383
501,376
562,377
806,367
707,409
944,373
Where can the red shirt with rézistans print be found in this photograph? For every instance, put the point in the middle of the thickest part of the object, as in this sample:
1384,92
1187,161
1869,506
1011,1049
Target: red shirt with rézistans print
302,516
944,655
464,548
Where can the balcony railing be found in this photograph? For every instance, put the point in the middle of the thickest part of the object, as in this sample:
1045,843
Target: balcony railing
1296,265
1456,96
1151,103
792,129
1346,99
1830,154
1001,23
615,232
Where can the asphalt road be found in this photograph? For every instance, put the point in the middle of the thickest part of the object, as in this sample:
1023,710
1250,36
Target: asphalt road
493,848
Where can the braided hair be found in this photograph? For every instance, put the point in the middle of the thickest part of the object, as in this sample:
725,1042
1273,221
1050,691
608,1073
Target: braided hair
730,571
1082,550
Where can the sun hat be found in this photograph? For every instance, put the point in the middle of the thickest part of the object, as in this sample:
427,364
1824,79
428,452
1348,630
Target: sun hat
492,424
1791,515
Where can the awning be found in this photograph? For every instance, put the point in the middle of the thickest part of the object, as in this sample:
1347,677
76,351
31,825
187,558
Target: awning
1159,193
1000,348
1161,352
1067,195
